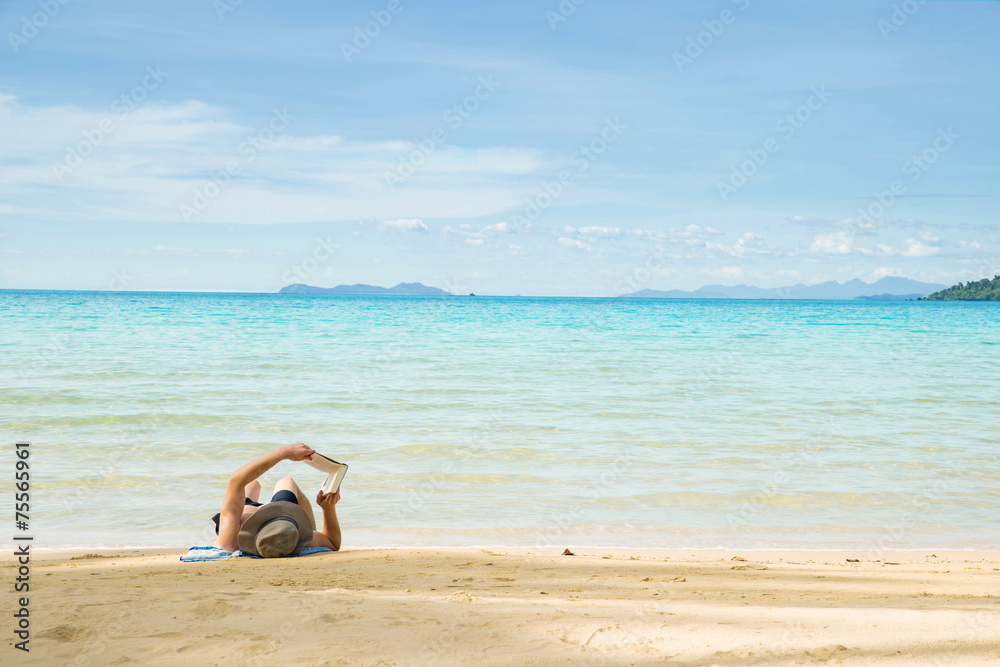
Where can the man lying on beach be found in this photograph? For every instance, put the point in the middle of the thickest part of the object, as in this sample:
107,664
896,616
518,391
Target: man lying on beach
285,525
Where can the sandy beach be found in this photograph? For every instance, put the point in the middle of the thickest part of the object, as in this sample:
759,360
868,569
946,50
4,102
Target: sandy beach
503,607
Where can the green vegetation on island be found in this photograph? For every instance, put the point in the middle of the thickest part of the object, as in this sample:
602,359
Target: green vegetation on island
981,290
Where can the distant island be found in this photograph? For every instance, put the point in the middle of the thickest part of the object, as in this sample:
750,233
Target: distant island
982,290
401,288
886,289
891,297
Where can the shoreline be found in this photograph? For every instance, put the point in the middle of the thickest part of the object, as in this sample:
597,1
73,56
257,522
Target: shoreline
863,554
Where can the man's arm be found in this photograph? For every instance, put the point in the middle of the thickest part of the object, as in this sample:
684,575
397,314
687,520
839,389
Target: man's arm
232,504
329,537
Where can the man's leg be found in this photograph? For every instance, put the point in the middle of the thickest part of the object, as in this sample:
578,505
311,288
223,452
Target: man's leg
252,490
288,484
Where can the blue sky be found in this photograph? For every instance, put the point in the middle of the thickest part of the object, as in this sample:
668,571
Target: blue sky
497,147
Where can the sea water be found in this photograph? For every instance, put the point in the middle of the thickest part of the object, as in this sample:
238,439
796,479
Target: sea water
512,421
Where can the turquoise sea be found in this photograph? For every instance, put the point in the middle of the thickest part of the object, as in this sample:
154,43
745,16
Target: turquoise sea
512,421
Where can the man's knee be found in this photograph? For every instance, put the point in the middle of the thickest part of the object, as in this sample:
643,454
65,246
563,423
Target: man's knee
286,483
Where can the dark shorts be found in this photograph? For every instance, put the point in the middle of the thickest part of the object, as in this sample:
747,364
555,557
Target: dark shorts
283,495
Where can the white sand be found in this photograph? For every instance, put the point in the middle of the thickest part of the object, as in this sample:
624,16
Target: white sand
475,607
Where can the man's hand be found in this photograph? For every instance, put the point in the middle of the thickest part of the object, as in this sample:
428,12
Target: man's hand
327,500
330,535
297,452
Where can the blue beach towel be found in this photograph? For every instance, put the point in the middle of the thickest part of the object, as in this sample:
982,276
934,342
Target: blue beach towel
305,552
196,554
206,553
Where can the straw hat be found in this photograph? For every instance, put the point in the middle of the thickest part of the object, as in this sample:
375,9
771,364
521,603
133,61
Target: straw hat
276,529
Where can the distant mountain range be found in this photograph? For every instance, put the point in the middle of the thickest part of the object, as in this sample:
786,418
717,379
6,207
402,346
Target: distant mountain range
401,288
891,297
886,289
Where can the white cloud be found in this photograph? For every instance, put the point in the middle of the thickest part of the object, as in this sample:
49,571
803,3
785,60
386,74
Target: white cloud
883,272
484,232
593,238
158,156
915,248
748,244
790,274
402,225
600,231
837,243
751,244
698,229
508,160
911,248
460,231
652,234
855,223
832,244
593,231
711,245
730,272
